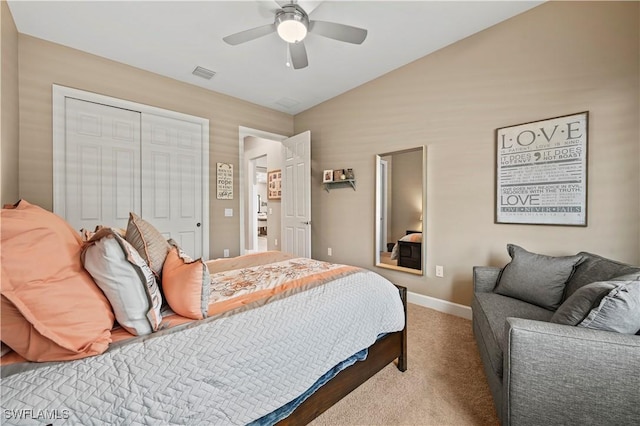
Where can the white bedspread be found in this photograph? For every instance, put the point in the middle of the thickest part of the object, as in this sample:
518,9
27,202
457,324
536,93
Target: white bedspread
229,370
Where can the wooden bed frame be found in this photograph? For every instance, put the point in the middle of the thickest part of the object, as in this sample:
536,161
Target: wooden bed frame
410,253
381,353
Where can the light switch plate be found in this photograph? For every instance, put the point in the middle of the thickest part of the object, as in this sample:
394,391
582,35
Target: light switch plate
228,212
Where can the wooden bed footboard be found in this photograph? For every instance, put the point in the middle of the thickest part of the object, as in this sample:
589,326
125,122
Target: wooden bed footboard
410,254
390,347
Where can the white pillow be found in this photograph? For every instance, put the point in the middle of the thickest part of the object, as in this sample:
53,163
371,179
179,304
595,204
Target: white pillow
126,280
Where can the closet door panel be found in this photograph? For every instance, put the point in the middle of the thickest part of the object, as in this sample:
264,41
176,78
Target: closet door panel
171,179
102,156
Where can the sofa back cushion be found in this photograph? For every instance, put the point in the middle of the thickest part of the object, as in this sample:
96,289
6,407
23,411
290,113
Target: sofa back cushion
596,268
51,308
536,278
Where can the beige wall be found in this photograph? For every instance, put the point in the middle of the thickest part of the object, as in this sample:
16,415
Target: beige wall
9,121
559,58
556,59
43,63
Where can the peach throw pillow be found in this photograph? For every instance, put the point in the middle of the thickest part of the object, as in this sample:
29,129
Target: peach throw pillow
185,284
51,309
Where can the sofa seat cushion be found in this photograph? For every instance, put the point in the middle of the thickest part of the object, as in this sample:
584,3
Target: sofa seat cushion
491,310
596,268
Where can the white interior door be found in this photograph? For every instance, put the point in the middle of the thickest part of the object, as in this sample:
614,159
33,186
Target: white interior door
296,195
102,157
171,179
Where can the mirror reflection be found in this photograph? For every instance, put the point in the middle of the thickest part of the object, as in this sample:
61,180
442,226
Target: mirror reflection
400,178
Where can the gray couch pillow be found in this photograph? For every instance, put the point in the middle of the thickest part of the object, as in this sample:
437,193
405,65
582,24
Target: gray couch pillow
618,311
579,304
596,268
536,278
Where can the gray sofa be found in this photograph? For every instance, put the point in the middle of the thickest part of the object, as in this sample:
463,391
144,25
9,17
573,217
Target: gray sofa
547,373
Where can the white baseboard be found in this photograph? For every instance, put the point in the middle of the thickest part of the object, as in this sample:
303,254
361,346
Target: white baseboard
439,305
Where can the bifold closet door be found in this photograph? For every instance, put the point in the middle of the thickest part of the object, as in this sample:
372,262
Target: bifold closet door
102,173
172,179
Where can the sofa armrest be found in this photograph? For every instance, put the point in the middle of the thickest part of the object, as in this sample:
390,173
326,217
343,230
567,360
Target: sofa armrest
485,278
559,374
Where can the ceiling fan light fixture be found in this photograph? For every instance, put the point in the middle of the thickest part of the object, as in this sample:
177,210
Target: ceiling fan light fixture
292,24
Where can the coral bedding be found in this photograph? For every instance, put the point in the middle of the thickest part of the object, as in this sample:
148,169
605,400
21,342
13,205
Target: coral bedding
276,325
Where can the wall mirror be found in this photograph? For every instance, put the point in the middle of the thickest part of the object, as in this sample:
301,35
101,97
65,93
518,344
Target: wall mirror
400,207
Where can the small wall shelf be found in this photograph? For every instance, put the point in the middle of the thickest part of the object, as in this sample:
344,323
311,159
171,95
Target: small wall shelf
340,184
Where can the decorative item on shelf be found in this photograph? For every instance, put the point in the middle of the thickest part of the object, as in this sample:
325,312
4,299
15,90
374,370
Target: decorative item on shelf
350,174
339,178
274,185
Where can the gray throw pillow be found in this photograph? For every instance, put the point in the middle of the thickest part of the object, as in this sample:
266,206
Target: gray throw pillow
618,311
596,268
536,278
579,304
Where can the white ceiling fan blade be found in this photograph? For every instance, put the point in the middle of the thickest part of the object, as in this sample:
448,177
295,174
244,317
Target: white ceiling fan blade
337,31
298,55
248,35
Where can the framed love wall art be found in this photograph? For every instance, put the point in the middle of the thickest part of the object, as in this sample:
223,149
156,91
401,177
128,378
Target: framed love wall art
274,185
541,172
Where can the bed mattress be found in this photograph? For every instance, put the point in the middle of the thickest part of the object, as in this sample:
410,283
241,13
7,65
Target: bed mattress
231,368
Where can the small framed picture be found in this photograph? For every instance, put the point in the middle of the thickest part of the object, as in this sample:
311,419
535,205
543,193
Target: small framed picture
274,181
327,176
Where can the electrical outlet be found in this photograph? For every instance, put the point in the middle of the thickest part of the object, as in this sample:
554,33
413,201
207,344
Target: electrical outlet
226,252
276,242
439,271
329,251
228,212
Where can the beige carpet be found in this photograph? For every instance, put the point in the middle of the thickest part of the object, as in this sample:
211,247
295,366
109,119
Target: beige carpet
443,385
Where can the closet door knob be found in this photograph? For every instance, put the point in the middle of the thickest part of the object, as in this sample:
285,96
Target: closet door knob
198,224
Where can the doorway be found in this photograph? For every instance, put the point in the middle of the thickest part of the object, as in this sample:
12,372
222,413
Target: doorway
259,205
259,151
288,188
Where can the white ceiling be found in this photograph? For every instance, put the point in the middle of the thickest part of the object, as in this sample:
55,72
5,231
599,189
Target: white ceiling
171,38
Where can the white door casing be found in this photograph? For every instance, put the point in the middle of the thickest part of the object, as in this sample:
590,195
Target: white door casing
185,179
296,195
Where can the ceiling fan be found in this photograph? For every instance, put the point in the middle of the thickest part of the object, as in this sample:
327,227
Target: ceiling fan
292,25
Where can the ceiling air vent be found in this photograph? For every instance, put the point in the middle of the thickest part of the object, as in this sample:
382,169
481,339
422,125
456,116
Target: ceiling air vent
287,103
204,73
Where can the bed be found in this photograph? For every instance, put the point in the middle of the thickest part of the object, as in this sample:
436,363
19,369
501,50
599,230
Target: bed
284,338
408,250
